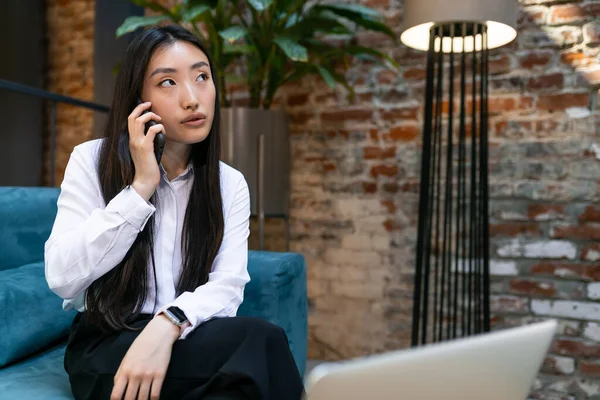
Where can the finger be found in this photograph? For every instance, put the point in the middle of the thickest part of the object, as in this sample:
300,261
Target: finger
135,113
118,388
154,130
139,125
156,387
144,391
132,389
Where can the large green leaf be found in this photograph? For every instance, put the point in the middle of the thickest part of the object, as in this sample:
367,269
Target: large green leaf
233,33
237,48
260,5
350,10
367,53
132,23
194,12
294,50
318,23
327,76
376,26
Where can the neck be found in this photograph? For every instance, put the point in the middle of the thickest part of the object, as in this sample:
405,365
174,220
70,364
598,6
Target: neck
175,158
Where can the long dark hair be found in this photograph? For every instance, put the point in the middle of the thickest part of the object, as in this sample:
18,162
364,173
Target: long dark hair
118,296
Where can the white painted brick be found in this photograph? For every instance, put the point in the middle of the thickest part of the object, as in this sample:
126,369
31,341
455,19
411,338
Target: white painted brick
357,208
363,241
567,309
513,216
563,365
592,331
592,255
358,290
542,249
551,249
503,268
593,291
337,256
589,387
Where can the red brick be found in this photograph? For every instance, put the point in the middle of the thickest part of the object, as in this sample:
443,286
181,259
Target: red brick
515,229
561,101
297,100
385,170
391,187
575,58
415,74
329,167
544,212
392,114
592,272
386,77
567,14
300,117
325,98
591,214
345,114
575,348
531,16
558,269
403,133
586,232
591,252
371,153
373,134
532,288
536,59
378,3
499,65
389,204
391,225
411,187
589,368
369,187
546,82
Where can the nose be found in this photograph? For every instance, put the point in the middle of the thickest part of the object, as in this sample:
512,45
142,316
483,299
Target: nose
189,99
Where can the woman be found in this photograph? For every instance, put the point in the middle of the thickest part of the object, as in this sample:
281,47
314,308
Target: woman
154,256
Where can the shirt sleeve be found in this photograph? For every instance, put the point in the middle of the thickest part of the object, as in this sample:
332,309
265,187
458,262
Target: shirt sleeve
88,239
223,293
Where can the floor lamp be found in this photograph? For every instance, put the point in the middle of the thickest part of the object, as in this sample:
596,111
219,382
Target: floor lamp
451,293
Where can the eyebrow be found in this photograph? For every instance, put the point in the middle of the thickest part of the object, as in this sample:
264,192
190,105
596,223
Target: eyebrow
173,70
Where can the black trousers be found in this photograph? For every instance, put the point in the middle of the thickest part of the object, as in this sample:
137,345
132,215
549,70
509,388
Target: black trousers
226,358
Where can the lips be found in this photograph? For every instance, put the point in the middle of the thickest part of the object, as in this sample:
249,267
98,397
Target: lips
194,118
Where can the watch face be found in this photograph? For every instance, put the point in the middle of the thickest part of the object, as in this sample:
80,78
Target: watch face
177,313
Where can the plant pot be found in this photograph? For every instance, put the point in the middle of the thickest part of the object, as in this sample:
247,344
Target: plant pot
256,142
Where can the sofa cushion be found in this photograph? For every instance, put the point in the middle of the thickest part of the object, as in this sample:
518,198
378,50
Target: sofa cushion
277,293
41,376
32,316
26,218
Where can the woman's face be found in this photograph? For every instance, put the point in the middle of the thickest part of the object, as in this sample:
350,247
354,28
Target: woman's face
180,86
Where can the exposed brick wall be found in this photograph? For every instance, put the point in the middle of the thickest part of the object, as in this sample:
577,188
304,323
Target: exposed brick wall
70,39
355,183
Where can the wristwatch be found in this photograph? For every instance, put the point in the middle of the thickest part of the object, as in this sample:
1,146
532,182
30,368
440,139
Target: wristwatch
176,316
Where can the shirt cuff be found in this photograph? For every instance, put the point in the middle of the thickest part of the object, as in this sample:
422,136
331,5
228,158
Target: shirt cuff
132,207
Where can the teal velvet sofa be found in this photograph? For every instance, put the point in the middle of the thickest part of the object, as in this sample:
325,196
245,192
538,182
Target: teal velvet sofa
33,326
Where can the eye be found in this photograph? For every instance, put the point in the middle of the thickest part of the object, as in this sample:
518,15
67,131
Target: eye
163,83
203,76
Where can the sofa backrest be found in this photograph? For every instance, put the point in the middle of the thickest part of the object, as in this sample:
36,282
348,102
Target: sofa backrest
26,218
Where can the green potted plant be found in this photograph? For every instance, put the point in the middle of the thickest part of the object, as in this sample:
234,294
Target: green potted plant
274,42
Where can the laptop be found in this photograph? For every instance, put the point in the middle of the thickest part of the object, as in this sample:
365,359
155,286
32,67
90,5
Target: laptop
499,365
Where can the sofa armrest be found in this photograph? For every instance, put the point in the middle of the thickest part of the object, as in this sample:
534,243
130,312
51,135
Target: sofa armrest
277,293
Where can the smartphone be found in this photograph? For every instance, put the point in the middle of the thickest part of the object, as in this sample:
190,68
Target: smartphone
159,139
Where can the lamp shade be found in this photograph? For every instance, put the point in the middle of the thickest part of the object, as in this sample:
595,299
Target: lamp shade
499,16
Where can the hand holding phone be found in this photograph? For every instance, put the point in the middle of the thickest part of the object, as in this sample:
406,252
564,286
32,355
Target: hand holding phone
159,139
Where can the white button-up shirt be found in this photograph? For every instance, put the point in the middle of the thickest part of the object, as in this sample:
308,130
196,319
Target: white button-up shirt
90,237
